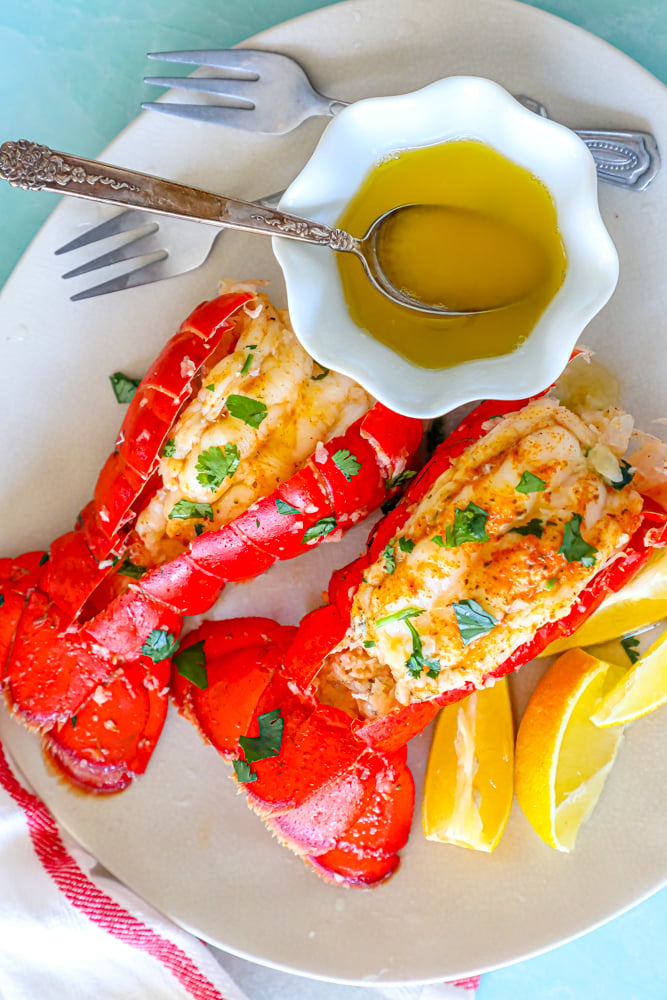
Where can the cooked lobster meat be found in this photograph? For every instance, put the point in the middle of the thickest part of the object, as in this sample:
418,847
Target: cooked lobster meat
512,534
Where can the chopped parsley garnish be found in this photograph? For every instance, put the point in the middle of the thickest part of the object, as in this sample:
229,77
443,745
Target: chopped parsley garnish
159,645
400,479
369,643
2,599
631,646
185,510
389,557
248,361
574,548
532,527
417,662
348,464
439,540
285,508
551,582
74,721
267,744
627,475
530,483
199,529
405,544
323,374
473,620
169,449
217,464
318,530
123,386
128,568
399,616
44,558
211,387
191,664
243,771
250,411
469,526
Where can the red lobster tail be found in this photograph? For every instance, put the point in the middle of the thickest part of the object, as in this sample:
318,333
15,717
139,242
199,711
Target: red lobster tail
323,629
151,414
343,807
111,737
18,577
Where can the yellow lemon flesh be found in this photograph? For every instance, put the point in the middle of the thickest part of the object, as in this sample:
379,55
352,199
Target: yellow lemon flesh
562,758
640,603
468,788
641,690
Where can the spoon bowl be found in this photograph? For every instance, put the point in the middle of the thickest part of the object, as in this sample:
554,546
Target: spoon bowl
510,262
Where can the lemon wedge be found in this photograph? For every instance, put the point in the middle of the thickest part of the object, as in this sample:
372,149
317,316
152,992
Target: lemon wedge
468,788
641,602
641,690
562,758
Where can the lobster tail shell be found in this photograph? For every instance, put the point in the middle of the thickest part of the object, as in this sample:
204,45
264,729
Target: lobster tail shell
334,801
151,414
111,737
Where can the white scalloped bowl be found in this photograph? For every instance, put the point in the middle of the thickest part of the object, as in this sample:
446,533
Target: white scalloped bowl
361,137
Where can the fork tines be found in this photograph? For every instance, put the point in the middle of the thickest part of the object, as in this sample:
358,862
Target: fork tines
248,80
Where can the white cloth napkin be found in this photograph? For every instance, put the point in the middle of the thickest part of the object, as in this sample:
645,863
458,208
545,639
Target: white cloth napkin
68,928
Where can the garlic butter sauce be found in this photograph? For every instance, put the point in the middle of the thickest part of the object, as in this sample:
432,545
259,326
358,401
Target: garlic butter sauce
487,235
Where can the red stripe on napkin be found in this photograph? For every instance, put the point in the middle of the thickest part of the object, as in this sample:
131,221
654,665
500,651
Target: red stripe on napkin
91,901
470,983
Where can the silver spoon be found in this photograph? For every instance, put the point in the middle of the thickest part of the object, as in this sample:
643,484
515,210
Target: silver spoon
34,167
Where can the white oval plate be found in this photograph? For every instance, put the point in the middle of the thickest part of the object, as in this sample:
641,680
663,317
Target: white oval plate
181,837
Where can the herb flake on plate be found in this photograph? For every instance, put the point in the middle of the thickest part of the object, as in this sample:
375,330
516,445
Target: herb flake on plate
123,386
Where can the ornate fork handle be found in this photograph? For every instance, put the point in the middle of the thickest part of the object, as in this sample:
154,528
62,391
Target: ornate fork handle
625,158
628,159
33,167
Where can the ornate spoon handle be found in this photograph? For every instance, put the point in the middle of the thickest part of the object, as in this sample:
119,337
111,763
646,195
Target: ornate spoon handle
37,168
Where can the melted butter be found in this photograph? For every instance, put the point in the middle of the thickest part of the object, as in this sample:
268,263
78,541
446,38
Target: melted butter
487,234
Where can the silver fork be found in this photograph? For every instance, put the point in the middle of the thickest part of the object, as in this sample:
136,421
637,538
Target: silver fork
144,246
271,93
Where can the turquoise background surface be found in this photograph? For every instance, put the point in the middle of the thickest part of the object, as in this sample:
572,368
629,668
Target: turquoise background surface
71,74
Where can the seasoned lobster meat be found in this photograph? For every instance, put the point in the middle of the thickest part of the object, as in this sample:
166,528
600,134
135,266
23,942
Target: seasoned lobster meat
502,543
521,523
259,414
